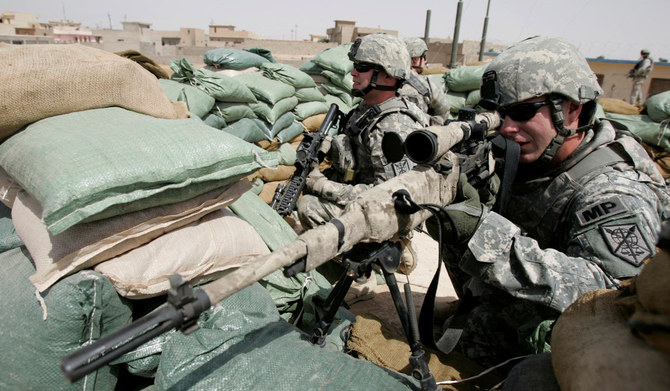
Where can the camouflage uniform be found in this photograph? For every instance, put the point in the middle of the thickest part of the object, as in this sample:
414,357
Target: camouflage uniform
427,94
639,75
585,224
358,148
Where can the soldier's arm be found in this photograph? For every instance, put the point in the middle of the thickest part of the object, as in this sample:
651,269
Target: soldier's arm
439,105
611,235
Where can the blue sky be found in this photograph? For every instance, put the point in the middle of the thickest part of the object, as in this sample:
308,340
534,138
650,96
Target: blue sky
616,29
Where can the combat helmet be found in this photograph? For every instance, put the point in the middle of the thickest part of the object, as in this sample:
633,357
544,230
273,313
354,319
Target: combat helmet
386,52
416,47
548,66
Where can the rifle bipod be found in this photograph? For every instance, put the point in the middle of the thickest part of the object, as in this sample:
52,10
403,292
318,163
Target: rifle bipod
358,263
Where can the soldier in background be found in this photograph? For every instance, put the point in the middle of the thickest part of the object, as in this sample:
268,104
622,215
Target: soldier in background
583,213
421,90
639,74
381,65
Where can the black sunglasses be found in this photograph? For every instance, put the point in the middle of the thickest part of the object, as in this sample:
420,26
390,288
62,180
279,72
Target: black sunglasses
363,67
522,112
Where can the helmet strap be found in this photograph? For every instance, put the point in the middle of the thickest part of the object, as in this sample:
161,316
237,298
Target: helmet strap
562,132
373,86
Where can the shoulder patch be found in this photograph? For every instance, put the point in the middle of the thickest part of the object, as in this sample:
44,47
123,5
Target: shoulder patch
626,242
600,210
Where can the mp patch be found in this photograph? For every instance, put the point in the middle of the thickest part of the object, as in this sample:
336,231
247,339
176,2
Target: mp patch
600,210
626,242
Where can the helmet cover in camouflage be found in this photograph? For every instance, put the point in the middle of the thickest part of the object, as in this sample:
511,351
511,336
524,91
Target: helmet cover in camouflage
384,50
544,65
644,51
416,47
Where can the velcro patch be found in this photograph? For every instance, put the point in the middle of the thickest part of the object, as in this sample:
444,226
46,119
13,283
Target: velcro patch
600,210
626,242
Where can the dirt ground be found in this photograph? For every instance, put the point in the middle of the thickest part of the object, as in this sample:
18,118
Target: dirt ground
381,305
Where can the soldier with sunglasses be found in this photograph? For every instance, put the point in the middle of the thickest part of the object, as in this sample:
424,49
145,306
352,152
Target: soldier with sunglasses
381,66
584,212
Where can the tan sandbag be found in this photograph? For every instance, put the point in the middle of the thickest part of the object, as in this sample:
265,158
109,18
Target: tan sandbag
313,123
275,144
272,174
371,340
618,106
435,70
594,349
268,191
660,157
40,81
199,252
87,244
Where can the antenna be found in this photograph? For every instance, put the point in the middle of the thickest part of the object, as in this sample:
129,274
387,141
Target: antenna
110,20
64,17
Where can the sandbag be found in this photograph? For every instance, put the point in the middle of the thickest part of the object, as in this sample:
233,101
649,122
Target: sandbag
335,59
201,251
9,239
313,123
642,126
250,130
36,331
456,100
100,163
87,244
271,113
146,63
309,109
618,106
465,78
231,112
345,82
198,101
267,90
226,58
658,106
290,132
40,81
263,53
246,333
220,87
593,348
287,74
312,69
310,94
284,121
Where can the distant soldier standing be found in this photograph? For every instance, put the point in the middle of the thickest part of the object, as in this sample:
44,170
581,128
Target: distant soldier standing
639,74
381,65
421,90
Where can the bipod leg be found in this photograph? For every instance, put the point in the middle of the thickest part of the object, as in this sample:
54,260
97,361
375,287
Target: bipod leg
410,326
331,305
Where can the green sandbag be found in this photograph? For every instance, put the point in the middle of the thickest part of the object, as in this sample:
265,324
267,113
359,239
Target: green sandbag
311,68
225,58
345,82
198,101
231,112
308,109
310,94
649,131
283,122
465,78
339,92
34,336
658,106
287,74
343,107
93,164
267,90
214,121
244,345
271,113
8,237
263,53
290,132
250,130
456,100
274,230
439,79
335,59
220,87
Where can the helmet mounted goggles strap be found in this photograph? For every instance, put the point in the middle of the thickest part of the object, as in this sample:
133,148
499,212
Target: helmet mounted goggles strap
562,132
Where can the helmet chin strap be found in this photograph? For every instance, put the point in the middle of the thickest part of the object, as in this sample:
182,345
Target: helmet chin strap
372,86
562,132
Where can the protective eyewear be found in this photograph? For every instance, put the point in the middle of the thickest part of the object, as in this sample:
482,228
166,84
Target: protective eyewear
362,67
522,112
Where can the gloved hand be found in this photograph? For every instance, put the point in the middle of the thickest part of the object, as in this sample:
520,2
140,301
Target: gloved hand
315,180
466,212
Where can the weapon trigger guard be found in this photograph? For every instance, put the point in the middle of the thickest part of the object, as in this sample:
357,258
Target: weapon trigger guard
403,203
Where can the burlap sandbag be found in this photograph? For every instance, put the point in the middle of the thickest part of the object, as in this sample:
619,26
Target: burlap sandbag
618,106
593,348
373,341
40,81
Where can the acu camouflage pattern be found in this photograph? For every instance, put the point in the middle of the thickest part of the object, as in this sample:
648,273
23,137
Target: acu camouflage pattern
544,65
544,253
363,154
384,50
434,103
416,46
